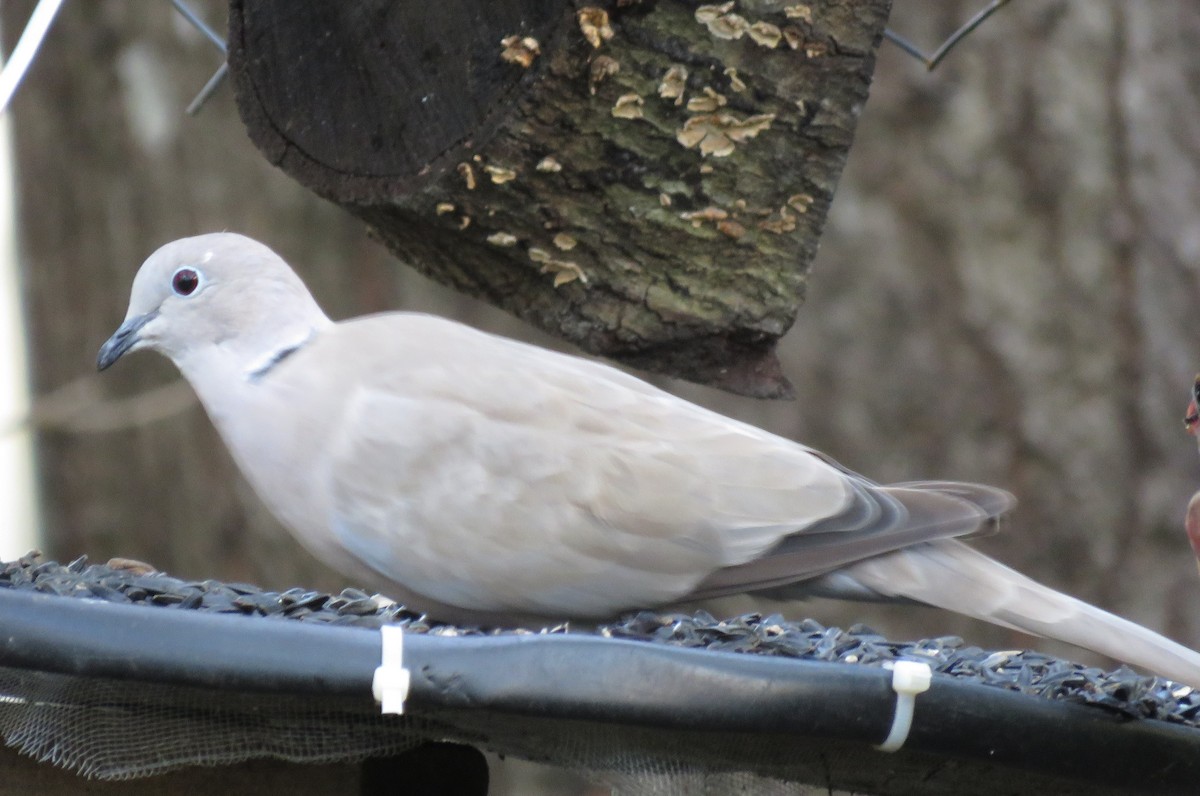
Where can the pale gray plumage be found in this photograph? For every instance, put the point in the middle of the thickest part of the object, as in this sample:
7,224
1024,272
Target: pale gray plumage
480,478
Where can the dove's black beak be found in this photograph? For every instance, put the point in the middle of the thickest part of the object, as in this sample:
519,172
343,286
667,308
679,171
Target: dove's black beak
122,340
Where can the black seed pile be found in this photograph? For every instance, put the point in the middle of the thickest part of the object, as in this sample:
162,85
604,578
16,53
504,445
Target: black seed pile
1121,690
127,581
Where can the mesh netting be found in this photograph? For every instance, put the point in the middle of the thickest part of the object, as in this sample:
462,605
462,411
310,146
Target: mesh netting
121,730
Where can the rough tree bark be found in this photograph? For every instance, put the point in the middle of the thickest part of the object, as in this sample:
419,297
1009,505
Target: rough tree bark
646,180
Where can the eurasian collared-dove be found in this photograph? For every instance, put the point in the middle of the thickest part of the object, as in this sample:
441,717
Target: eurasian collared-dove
482,479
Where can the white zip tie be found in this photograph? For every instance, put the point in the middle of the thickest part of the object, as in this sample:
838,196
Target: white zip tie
909,678
27,47
392,681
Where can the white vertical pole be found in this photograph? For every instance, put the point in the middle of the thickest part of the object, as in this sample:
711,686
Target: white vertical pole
19,531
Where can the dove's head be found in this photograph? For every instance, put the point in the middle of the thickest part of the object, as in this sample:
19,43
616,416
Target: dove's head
220,291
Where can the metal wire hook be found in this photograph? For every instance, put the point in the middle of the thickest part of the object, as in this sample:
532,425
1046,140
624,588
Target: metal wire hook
222,72
931,61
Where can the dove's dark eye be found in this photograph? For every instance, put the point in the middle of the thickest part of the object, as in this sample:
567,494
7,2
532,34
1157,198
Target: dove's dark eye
185,281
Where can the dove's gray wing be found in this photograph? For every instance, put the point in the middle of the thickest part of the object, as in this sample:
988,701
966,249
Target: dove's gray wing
501,478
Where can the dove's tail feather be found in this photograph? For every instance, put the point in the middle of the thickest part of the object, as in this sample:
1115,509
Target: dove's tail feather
993,502
948,574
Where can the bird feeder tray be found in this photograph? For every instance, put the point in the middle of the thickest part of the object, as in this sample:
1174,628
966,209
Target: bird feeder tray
117,674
